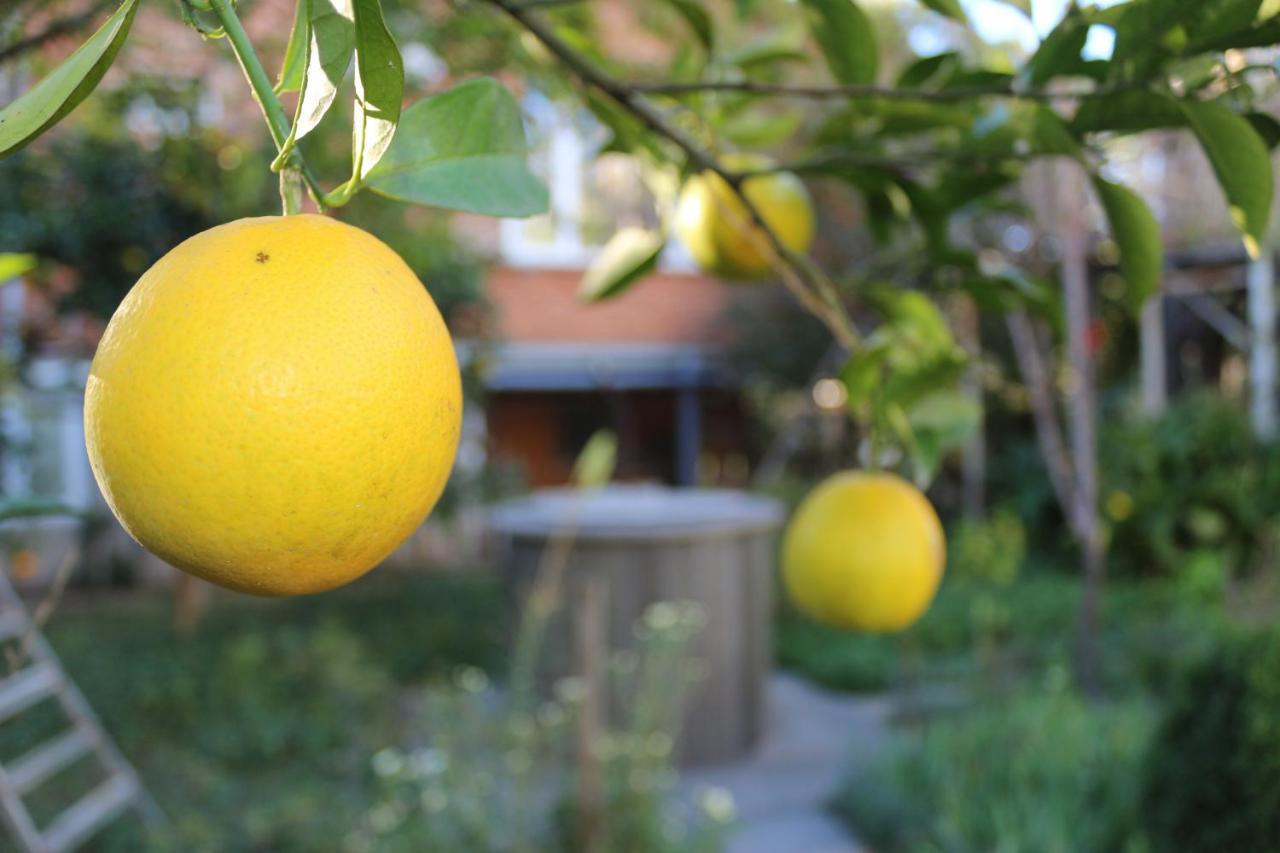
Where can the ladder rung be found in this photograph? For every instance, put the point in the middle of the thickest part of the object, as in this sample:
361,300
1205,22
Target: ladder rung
50,757
25,688
86,817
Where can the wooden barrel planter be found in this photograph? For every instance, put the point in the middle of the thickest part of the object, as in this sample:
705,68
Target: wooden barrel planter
634,546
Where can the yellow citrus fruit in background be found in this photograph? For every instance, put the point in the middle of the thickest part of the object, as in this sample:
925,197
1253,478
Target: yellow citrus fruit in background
864,551
716,227
275,406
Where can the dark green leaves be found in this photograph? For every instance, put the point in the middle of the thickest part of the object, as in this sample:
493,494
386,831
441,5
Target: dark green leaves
463,149
1242,163
66,86
1128,112
379,88
1137,233
847,39
630,255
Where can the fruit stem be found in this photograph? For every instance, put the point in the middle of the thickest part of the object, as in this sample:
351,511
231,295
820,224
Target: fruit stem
277,122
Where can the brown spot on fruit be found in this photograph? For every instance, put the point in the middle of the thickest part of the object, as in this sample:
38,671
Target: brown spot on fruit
262,257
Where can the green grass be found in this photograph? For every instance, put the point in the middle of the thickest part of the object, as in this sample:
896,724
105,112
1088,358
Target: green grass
255,734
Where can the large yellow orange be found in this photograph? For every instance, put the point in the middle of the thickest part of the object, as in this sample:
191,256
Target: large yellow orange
716,227
275,405
864,551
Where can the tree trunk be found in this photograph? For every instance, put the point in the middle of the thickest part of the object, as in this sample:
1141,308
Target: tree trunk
1081,402
1262,352
1155,394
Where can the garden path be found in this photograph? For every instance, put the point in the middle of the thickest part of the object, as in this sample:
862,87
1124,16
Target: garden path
782,790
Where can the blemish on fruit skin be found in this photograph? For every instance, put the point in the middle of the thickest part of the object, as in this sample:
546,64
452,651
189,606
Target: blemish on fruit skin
262,257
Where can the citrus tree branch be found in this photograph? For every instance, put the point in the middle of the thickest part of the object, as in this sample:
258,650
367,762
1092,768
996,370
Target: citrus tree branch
808,284
1007,90
277,121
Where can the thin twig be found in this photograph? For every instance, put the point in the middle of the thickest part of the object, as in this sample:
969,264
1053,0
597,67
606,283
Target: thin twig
809,286
850,92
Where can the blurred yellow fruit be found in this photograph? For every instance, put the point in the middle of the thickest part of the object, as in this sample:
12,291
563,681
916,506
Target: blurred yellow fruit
864,551
716,227
275,406
1119,506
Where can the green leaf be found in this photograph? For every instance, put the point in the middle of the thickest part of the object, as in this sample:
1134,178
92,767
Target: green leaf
697,19
1050,135
13,265
847,39
294,64
1242,163
770,49
1137,233
861,375
1267,128
595,464
47,102
757,129
629,256
1128,112
1060,52
330,43
463,149
379,89
928,69
1023,6
950,8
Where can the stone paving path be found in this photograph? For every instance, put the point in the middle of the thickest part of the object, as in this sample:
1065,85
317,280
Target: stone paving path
782,791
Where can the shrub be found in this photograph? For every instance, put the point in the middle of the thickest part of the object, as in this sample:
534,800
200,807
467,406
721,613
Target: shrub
1191,495
1043,771
1212,778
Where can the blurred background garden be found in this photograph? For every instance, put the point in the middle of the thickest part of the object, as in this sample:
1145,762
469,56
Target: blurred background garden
386,716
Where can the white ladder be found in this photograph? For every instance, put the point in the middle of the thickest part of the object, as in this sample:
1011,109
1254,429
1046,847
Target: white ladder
40,676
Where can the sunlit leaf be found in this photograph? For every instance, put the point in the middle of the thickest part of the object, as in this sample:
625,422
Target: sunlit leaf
330,43
847,39
1137,233
928,69
294,64
379,88
595,464
13,265
62,90
463,149
1060,52
629,256
772,48
1242,163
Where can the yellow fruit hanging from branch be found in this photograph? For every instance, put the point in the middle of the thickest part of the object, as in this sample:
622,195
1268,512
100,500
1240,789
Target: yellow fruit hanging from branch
717,229
275,406
864,551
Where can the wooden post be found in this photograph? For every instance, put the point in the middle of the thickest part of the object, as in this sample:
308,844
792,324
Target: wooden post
1263,352
1155,394
591,643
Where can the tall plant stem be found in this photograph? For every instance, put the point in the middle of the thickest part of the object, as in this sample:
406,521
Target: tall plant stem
272,111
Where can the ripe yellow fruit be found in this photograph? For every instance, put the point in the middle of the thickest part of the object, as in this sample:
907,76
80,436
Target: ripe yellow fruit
275,406
864,551
716,227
